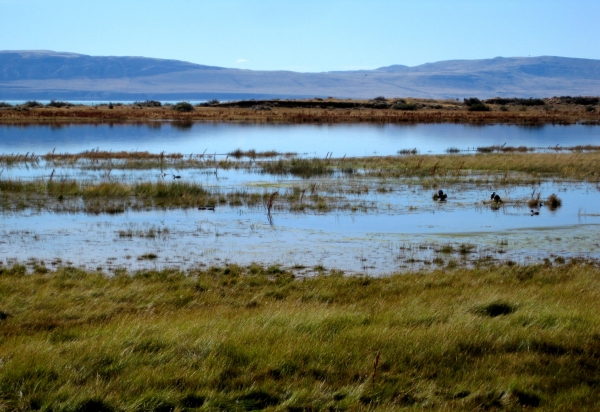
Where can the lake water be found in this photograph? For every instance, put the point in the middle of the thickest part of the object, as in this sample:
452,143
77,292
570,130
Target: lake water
309,140
399,229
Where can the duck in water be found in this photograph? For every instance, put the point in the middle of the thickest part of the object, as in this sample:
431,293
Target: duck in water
440,195
534,212
496,198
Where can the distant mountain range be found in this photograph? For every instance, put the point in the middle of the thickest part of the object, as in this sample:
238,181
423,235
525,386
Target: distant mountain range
48,75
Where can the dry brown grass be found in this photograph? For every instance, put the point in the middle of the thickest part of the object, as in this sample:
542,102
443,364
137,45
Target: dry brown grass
106,155
578,165
430,111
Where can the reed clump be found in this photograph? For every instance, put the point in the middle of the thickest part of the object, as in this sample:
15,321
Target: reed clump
254,337
110,155
553,201
305,168
535,201
253,154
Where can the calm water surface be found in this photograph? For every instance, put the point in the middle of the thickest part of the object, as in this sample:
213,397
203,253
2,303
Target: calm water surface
312,140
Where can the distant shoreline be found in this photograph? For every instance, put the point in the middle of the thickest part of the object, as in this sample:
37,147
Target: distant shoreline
526,112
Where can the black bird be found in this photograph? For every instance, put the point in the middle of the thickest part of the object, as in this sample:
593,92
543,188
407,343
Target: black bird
163,174
442,195
207,208
496,198
176,177
493,194
534,212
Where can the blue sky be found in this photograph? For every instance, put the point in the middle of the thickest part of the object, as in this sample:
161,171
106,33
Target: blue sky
305,35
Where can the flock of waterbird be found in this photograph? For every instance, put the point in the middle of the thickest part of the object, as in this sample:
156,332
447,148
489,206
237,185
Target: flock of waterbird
163,175
440,196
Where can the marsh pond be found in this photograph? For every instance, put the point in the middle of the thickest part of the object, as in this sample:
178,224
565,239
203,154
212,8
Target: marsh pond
356,198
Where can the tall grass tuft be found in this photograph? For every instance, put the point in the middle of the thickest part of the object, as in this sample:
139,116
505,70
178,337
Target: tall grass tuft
553,202
535,201
298,167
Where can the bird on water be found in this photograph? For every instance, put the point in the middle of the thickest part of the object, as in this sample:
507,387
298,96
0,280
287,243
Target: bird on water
496,198
441,195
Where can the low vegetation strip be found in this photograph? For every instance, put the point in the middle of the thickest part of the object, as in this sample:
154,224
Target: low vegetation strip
67,188
379,110
251,338
348,177
574,164
579,162
578,165
115,197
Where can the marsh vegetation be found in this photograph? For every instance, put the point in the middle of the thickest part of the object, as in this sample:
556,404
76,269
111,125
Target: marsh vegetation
339,183
252,196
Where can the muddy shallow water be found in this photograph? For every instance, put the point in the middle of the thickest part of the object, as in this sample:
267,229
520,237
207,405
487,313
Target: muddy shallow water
183,239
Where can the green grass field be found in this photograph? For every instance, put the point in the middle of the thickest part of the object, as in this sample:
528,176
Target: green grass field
504,337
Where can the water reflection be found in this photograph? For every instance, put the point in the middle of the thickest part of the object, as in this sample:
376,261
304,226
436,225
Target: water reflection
312,140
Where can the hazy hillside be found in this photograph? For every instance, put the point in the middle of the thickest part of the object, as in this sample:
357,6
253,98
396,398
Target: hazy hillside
53,75
47,65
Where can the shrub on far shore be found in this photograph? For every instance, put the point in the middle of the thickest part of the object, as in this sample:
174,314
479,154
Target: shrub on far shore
32,104
55,103
148,103
404,106
515,101
476,105
581,100
471,101
479,107
183,107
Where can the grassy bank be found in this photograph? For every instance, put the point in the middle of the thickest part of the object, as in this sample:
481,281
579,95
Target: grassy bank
246,338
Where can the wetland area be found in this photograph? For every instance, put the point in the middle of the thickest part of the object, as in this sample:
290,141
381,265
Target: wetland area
356,198
169,265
